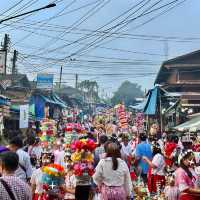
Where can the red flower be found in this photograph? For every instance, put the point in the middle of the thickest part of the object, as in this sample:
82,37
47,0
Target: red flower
45,187
90,172
77,170
91,145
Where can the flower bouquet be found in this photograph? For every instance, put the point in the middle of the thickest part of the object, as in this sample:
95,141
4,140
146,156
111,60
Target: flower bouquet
53,179
48,130
82,157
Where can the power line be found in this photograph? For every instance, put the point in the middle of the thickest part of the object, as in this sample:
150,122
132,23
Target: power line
94,32
86,16
10,8
21,9
144,13
28,35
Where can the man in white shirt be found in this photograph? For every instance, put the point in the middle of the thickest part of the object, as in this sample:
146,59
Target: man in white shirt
24,170
126,149
59,153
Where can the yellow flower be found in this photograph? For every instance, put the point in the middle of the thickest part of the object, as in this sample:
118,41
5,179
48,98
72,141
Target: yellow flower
76,156
89,157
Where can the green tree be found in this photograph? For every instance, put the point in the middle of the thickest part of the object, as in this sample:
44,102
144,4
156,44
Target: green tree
89,90
127,93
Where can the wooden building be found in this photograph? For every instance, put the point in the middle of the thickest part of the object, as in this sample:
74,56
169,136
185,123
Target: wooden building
182,75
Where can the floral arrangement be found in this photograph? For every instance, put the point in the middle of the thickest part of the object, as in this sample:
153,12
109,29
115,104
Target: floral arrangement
83,144
53,174
48,130
122,116
81,169
69,127
82,157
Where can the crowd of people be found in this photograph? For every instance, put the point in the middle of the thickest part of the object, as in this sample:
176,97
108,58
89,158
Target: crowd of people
121,165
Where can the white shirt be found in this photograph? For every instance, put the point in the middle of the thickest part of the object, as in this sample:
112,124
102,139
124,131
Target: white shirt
24,160
104,174
159,162
59,157
35,150
127,150
36,179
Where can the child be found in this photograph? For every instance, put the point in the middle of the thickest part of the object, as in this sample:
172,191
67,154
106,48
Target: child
171,191
70,182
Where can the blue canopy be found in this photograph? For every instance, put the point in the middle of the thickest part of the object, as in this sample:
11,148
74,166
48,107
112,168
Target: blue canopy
150,107
4,100
58,101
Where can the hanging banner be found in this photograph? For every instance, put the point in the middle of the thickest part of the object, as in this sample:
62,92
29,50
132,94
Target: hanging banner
24,115
2,61
45,81
9,62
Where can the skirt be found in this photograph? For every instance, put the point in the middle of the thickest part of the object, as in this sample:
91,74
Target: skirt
40,197
153,181
185,196
112,193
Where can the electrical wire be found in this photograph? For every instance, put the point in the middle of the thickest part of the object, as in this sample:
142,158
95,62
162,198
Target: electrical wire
29,34
155,17
12,7
94,32
85,17
144,13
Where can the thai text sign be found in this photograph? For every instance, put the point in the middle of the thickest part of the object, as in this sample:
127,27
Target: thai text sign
45,81
24,115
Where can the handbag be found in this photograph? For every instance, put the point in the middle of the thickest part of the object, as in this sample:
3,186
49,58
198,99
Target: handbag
8,189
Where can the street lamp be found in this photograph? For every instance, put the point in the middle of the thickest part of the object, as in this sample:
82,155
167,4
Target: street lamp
26,13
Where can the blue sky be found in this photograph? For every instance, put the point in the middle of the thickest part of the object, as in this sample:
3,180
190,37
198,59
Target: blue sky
143,46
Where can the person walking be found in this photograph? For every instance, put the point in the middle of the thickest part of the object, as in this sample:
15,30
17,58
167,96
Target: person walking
112,175
24,170
12,187
100,151
157,165
143,149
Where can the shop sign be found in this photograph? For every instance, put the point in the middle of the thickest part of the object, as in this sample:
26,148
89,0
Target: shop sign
24,115
45,81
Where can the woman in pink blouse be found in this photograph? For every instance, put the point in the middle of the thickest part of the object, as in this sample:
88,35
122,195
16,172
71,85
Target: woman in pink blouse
185,179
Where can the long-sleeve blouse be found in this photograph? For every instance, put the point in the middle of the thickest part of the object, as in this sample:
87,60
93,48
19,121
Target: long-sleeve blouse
104,174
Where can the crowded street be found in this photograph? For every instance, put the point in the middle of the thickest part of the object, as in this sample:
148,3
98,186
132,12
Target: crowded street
99,100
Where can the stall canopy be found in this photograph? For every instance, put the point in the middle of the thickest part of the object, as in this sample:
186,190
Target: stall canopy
4,100
139,106
192,125
150,107
40,100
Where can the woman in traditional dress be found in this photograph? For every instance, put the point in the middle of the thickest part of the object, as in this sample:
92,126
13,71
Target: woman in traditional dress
156,177
185,178
112,175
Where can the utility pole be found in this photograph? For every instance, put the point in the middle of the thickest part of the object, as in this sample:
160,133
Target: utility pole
166,49
76,83
60,77
14,62
5,48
